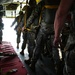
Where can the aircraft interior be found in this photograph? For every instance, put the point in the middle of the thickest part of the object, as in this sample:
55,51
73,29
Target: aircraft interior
12,61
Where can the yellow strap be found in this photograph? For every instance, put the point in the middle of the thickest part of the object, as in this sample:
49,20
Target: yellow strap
19,22
51,6
25,15
25,20
28,29
40,15
40,18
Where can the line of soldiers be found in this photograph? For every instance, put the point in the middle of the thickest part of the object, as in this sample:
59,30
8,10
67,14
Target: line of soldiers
37,25
17,28
47,10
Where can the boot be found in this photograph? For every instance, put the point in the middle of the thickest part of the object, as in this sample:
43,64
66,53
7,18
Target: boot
28,62
22,52
17,45
59,70
32,65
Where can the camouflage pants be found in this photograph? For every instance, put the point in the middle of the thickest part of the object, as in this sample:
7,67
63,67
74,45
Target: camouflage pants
41,39
18,36
31,42
69,68
24,40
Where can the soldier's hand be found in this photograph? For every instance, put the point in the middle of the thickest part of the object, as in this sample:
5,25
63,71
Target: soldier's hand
23,29
57,42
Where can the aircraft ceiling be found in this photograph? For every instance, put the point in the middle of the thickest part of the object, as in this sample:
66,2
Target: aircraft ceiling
5,1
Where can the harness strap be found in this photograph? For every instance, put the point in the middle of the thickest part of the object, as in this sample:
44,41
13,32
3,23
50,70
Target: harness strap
51,6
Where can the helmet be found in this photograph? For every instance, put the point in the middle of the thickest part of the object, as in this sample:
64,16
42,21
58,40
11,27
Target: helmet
32,2
37,1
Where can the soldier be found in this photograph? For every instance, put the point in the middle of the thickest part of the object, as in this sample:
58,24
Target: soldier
47,9
17,28
26,34
60,18
1,27
32,33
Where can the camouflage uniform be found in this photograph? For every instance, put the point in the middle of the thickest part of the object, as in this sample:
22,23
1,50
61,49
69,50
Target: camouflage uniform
47,10
28,35
32,36
1,28
17,28
69,68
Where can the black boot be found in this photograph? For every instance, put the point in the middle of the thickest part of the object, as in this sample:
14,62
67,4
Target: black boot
32,65
28,62
60,68
22,52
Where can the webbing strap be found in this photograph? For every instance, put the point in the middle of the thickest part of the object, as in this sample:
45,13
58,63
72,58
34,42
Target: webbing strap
51,6
25,16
